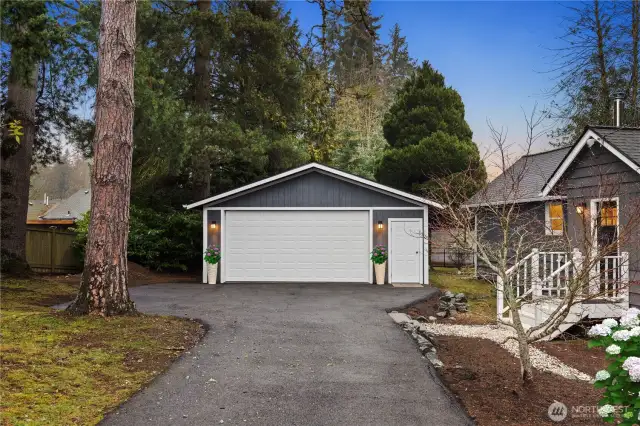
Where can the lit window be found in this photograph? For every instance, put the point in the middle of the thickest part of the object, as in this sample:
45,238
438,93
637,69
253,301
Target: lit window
554,216
609,213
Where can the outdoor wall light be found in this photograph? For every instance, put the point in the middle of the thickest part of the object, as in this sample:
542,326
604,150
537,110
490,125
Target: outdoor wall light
580,210
380,225
214,225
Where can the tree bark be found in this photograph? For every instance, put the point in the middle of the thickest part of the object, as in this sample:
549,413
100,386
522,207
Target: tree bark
15,168
103,289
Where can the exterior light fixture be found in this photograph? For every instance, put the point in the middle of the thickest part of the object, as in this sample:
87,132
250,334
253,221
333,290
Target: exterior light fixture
214,225
380,225
580,209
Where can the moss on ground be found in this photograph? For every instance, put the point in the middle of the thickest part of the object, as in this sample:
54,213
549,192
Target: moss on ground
58,369
480,293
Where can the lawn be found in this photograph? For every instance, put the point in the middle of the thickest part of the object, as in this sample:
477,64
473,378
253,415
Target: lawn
481,294
59,370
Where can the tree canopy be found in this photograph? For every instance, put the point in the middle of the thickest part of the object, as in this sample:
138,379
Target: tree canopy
427,134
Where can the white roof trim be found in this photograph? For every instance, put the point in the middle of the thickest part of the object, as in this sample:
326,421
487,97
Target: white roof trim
589,134
326,169
518,201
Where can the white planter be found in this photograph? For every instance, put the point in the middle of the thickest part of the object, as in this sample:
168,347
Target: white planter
212,273
379,268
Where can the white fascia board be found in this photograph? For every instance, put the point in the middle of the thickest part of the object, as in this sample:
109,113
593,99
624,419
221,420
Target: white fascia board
519,201
570,158
326,169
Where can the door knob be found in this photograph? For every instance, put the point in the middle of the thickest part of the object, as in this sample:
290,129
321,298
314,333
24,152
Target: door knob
416,252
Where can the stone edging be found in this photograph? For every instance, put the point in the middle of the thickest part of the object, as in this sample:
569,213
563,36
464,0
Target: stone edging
426,340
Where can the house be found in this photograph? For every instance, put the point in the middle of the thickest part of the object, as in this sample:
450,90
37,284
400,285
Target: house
316,224
59,213
586,194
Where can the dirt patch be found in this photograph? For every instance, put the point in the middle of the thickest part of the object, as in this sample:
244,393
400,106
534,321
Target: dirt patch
138,275
576,354
485,378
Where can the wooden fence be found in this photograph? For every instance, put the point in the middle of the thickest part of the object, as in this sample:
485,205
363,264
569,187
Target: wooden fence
51,251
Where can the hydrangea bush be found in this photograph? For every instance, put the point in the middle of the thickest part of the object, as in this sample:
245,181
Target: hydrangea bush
379,254
212,255
621,380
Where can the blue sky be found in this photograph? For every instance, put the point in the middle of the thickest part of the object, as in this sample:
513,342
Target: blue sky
496,54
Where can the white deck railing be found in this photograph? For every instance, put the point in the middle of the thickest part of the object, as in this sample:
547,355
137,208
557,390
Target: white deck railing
547,274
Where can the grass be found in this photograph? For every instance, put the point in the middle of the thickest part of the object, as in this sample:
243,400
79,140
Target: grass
480,293
60,370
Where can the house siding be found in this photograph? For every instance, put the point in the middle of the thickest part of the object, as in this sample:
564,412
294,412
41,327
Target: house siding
597,173
529,219
313,189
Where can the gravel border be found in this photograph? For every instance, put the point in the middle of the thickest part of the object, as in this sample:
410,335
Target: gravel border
540,359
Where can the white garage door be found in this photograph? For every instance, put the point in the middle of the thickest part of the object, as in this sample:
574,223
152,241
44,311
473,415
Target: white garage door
320,246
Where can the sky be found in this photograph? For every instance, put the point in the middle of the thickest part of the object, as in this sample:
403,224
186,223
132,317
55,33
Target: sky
497,55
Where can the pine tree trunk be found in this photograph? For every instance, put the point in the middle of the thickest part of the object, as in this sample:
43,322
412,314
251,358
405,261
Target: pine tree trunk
103,289
15,169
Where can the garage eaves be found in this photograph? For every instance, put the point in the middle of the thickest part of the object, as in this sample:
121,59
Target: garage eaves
325,169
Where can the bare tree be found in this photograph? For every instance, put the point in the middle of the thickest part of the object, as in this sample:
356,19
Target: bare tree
103,289
556,268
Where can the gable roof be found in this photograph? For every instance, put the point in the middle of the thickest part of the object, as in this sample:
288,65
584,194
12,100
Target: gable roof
328,170
623,142
522,181
71,208
37,208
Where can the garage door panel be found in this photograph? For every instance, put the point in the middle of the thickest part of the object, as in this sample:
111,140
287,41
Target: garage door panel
297,246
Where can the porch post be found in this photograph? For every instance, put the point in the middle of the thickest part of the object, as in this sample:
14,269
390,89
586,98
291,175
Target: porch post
576,259
624,275
500,296
535,274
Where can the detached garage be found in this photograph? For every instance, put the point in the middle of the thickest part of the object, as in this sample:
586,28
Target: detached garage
316,224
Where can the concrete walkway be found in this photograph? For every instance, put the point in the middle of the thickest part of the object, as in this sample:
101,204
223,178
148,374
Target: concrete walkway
291,354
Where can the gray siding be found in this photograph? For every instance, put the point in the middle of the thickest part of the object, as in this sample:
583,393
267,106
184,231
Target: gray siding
529,219
314,189
213,237
597,173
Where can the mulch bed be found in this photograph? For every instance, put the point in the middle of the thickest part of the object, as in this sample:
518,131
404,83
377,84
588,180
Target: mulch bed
485,378
576,354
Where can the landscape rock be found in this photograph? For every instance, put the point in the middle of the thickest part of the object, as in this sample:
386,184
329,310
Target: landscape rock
441,314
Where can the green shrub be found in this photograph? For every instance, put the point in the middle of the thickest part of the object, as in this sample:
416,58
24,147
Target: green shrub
621,380
159,240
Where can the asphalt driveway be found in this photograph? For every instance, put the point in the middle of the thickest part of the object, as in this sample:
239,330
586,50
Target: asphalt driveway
291,354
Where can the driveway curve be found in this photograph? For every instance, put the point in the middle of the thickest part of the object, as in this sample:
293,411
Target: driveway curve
291,354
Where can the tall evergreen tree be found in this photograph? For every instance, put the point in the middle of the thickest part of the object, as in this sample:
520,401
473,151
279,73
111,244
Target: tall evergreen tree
104,286
399,63
428,134
41,73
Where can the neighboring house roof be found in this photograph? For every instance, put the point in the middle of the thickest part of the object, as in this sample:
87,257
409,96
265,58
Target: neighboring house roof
522,181
37,208
623,142
331,171
71,208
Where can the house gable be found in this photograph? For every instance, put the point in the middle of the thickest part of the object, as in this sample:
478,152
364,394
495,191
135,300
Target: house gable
587,141
312,189
337,175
